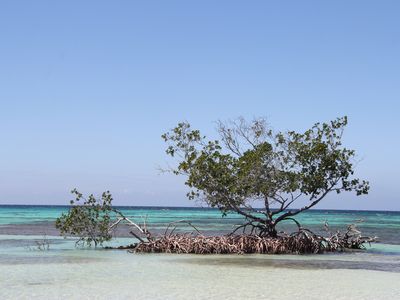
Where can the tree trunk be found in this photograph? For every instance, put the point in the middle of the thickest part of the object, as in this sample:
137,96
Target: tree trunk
272,231
269,230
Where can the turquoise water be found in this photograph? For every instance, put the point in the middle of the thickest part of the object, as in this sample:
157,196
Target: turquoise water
385,225
66,272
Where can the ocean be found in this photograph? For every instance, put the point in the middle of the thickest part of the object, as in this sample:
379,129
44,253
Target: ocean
27,271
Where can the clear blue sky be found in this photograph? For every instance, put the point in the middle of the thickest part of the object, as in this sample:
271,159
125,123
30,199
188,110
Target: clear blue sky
88,87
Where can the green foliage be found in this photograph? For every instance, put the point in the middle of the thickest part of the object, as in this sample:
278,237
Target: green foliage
88,219
250,162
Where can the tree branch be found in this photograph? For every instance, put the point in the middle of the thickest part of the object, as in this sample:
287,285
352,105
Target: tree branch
293,213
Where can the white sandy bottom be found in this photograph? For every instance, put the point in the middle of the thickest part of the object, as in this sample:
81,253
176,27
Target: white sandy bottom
120,275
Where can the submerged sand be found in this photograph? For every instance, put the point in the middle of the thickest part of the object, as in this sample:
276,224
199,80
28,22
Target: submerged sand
68,273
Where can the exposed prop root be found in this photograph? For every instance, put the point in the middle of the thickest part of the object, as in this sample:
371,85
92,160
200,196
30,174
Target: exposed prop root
301,242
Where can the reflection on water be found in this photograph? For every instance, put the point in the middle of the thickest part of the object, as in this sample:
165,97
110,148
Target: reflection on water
42,259
31,243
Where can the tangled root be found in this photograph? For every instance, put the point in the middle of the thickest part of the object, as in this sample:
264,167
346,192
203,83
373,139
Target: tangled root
301,242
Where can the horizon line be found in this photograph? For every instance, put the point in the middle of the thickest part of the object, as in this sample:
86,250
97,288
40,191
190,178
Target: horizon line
200,207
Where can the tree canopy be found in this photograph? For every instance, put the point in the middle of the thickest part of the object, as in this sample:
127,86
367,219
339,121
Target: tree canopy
93,220
88,219
251,164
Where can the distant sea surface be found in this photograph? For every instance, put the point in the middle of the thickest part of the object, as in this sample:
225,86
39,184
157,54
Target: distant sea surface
66,272
34,219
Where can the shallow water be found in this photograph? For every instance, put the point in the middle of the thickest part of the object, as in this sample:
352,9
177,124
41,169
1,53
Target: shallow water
65,272
91,274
